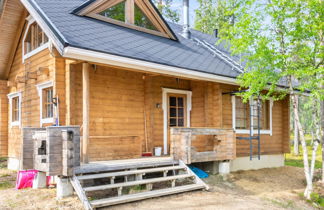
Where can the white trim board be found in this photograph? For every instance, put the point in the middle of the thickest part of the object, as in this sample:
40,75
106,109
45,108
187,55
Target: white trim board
10,97
246,131
104,58
40,87
165,92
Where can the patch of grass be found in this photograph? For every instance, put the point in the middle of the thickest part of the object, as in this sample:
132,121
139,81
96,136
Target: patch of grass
283,204
317,199
5,185
4,175
3,163
297,160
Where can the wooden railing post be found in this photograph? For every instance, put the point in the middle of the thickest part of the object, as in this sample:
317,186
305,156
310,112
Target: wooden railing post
85,109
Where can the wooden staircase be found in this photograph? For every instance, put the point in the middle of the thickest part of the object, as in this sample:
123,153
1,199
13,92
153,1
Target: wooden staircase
133,181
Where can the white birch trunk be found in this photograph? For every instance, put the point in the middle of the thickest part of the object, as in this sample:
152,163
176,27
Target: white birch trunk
296,136
309,187
315,147
322,119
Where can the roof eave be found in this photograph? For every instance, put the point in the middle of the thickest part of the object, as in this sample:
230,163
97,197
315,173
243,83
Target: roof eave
145,66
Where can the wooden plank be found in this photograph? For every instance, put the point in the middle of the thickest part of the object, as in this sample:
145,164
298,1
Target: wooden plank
144,195
133,183
129,11
125,173
82,196
115,165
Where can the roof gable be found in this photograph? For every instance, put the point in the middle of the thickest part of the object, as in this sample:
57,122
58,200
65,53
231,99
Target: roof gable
140,15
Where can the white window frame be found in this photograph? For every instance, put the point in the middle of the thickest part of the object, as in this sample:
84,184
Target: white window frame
46,45
165,92
10,97
40,88
247,131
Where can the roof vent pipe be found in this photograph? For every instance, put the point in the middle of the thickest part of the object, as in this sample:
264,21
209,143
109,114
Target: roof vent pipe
216,33
185,30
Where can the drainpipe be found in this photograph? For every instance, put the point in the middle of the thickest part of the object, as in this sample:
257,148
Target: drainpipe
185,30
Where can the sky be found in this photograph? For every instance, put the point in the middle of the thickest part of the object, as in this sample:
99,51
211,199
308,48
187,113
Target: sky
193,4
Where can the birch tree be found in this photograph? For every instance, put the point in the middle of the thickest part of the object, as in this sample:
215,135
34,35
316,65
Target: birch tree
165,8
216,14
280,42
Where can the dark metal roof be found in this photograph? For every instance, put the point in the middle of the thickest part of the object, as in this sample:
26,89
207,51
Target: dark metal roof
100,36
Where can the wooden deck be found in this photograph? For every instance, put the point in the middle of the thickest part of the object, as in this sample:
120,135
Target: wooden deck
112,165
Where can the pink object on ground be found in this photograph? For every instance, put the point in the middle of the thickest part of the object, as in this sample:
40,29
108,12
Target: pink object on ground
25,179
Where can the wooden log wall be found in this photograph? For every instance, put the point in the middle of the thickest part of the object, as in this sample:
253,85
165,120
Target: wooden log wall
118,98
278,143
3,119
47,67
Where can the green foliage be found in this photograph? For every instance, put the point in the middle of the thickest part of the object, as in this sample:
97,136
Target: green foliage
317,199
164,6
216,14
280,40
141,19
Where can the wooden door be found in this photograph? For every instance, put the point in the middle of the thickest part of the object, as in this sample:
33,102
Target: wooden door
177,112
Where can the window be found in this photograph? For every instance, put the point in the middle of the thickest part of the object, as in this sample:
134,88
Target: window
242,116
134,14
142,20
116,12
35,38
137,17
15,108
47,103
176,111
45,92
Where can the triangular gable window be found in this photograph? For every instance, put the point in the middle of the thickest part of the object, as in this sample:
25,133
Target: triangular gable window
116,12
136,14
140,19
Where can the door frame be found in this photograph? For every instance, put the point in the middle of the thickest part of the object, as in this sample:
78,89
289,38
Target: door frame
165,92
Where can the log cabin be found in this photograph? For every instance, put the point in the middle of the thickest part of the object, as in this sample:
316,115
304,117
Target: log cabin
134,83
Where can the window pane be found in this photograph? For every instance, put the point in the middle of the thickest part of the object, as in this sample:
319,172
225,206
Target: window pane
141,19
173,122
173,101
180,101
173,112
15,109
180,112
48,103
241,114
180,122
116,12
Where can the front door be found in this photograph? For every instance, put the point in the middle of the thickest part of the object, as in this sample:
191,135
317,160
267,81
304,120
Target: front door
177,115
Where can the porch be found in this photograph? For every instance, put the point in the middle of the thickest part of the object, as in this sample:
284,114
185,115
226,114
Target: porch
124,113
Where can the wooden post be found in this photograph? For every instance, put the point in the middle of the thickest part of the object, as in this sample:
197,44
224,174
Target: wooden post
129,11
85,108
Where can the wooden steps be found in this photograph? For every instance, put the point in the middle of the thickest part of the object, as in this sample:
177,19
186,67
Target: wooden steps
131,172
141,179
134,183
145,195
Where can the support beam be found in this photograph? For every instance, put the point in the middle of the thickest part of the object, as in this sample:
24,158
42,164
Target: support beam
86,109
